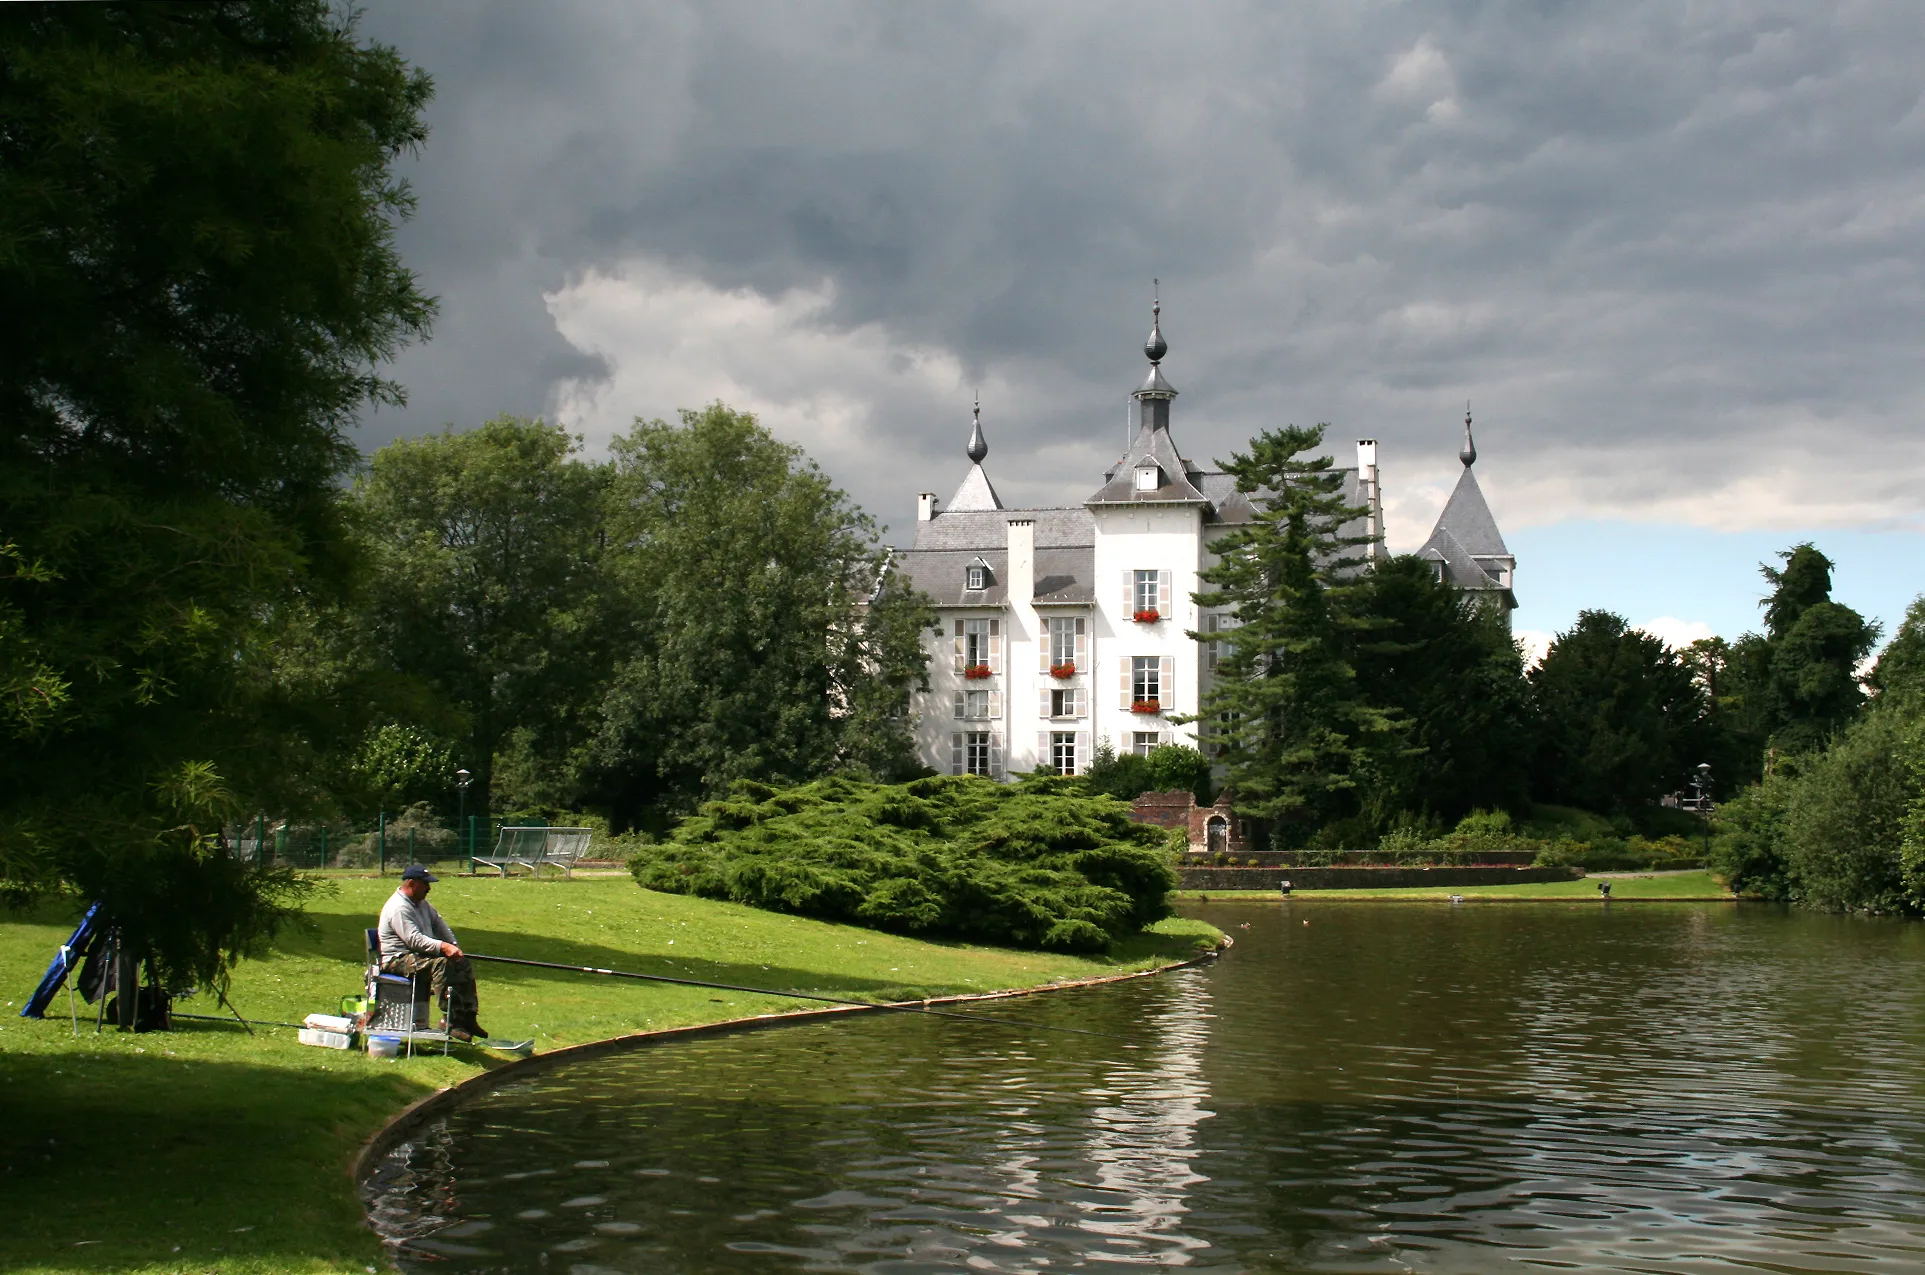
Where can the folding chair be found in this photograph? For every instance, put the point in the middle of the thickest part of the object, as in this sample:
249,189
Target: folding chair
399,1004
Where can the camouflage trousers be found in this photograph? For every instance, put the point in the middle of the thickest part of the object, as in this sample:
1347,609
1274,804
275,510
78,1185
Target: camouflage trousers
452,982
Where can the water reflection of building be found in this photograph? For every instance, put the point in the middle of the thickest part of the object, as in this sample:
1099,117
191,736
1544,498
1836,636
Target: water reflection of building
1141,1142
1064,628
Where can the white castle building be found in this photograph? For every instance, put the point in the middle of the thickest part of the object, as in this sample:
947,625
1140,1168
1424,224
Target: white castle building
1065,627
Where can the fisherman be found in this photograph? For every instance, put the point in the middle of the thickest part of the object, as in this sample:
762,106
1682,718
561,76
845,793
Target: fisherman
415,939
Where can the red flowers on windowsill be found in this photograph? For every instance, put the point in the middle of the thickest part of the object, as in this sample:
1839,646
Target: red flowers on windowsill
1150,616
976,672
1062,670
1147,706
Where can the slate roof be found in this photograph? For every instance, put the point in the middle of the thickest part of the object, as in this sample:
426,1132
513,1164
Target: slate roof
1466,539
975,491
1468,520
1155,447
950,541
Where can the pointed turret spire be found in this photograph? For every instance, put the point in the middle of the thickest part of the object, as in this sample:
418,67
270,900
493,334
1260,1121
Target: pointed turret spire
1469,454
1155,393
978,445
1156,347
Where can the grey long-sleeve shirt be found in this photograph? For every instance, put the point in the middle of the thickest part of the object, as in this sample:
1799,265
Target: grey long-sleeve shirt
407,926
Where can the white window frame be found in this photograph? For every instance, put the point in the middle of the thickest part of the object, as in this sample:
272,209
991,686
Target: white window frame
1142,741
978,753
1064,630
1147,591
1149,477
1146,679
1062,748
1066,702
975,577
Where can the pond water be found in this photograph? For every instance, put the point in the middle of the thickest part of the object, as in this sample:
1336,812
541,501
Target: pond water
1355,1087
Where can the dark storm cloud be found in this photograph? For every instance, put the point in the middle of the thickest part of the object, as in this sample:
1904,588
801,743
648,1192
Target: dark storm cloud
1664,247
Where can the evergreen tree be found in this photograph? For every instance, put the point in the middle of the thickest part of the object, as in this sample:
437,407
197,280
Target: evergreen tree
1285,709
1809,688
1450,668
1622,720
197,212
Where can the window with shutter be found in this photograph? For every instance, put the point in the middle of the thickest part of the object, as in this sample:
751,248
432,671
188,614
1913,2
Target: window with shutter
1146,593
961,653
1129,592
1164,602
1123,669
995,646
1042,749
1149,681
995,706
1062,751
995,770
1166,688
1082,751
962,704
1044,698
1082,643
956,758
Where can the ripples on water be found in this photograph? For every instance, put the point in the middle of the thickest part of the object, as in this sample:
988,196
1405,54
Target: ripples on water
1387,1088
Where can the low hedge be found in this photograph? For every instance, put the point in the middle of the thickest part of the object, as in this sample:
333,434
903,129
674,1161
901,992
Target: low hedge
1040,864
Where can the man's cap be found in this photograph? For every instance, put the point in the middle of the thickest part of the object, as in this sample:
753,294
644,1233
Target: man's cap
415,872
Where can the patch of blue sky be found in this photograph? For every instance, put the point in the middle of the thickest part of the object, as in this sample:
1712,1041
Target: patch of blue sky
1673,578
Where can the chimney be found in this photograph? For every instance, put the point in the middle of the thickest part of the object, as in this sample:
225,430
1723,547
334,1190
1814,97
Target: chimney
925,506
1371,493
1022,561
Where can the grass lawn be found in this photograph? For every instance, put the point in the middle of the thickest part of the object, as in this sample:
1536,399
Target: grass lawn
207,1149
1624,885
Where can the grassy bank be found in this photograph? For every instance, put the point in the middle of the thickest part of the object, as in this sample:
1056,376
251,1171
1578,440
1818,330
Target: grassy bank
1624,886
207,1149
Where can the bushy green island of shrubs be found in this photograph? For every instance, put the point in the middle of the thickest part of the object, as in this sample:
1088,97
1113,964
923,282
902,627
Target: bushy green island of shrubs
1041,864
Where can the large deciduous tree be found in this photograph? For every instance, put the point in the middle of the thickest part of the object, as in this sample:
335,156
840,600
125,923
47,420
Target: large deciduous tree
196,214
486,584
1285,707
759,633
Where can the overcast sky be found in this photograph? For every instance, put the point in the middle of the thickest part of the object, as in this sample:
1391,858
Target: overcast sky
1670,252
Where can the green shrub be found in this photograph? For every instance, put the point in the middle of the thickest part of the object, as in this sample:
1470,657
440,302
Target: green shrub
1040,864
1619,854
1845,815
1748,851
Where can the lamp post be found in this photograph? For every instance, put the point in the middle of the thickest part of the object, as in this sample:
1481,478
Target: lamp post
1703,786
462,780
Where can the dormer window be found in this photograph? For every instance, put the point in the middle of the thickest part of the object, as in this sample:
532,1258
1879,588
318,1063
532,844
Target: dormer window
976,576
1149,477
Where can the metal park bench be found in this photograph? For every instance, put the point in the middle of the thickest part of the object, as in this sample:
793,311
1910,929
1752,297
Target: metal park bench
530,848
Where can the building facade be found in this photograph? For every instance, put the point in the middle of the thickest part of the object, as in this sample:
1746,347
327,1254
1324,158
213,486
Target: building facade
1066,627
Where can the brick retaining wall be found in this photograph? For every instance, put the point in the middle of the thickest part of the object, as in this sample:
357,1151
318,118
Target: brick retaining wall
1363,878
1288,859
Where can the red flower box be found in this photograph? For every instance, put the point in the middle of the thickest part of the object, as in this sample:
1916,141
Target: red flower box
1062,670
1147,706
1150,616
976,672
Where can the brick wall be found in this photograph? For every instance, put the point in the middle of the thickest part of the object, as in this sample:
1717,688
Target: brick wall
1363,878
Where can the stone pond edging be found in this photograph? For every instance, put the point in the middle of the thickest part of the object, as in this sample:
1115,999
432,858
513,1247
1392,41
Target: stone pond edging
428,1106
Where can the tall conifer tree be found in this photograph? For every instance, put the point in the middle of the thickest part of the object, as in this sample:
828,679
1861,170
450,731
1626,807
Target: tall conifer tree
1285,708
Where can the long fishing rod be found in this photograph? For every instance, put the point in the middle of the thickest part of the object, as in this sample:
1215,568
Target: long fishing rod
806,996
